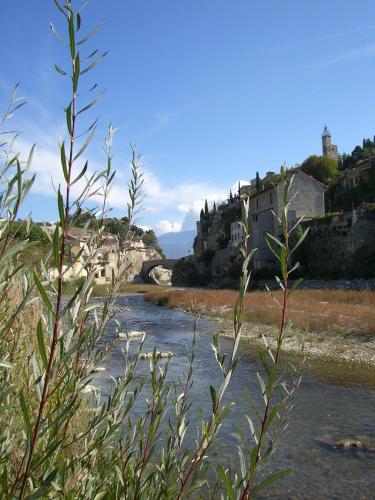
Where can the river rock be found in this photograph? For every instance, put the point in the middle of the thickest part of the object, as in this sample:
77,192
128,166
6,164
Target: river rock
133,334
90,389
149,355
347,443
160,276
98,369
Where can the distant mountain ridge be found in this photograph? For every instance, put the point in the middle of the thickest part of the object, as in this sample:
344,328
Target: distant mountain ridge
177,245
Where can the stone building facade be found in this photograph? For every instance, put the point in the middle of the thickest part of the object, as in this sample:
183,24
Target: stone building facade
107,260
266,204
352,177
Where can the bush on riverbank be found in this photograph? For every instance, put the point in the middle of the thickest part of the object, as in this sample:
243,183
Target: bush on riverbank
58,437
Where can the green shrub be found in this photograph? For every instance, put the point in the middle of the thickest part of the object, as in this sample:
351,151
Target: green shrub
56,440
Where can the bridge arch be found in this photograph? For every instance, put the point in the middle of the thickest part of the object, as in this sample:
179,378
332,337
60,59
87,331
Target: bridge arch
148,265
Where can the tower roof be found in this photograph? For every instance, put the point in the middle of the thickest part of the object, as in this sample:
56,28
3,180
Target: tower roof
326,132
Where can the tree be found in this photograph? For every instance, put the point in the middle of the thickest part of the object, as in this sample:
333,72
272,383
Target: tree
257,181
214,208
322,168
206,211
230,195
202,214
149,237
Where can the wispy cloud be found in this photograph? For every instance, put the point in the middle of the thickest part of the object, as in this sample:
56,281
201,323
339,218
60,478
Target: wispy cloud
365,30
163,119
358,52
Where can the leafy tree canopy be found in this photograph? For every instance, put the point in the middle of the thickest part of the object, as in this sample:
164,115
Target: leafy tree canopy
323,169
359,153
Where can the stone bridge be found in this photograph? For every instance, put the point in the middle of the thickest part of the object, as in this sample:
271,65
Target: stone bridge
148,265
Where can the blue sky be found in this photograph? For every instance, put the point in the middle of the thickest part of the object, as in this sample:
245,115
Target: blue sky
210,91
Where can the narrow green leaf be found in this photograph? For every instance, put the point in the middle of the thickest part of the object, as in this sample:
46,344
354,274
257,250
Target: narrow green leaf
271,416
56,246
25,412
305,233
81,174
213,397
91,34
92,54
42,292
63,161
60,204
276,240
60,70
86,143
54,31
60,8
76,72
88,106
271,247
78,21
95,63
72,42
41,344
276,476
68,114
227,483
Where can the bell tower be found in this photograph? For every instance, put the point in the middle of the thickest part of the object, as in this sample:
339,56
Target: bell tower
329,149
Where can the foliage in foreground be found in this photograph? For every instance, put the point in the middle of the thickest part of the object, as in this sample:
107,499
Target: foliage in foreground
58,438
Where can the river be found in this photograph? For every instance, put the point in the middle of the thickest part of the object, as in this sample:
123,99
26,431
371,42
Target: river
334,401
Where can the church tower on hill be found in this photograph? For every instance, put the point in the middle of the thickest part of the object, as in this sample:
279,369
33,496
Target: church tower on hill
329,149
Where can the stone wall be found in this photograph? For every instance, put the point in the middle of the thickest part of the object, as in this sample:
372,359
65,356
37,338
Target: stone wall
341,246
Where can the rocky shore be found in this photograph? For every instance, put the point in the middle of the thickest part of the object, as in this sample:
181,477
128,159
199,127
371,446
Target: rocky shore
311,344
358,284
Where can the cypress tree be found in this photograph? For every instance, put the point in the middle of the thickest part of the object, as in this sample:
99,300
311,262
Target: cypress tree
206,212
257,181
230,195
202,214
214,208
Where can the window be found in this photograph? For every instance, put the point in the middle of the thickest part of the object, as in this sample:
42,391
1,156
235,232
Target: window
257,202
291,215
102,273
255,217
270,197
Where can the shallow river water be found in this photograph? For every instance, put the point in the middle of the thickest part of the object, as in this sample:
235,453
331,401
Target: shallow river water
334,401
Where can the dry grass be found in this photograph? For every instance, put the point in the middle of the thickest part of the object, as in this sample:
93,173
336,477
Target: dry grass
103,290
100,290
331,311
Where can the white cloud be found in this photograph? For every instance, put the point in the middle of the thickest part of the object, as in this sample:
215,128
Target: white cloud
165,226
183,208
180,203
234,187
153,210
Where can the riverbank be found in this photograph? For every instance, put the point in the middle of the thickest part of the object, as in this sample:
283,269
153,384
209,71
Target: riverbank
70,287
327,324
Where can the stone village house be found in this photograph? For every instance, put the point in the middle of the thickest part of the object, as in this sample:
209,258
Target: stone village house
131,254
265,206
